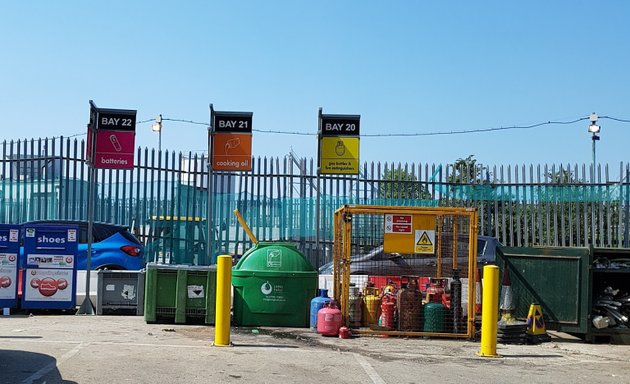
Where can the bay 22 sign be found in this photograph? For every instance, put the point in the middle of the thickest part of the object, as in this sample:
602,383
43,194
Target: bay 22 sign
115,132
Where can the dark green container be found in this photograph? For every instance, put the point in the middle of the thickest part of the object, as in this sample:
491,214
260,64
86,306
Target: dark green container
180,293
434,317
566,281
557,278
273,286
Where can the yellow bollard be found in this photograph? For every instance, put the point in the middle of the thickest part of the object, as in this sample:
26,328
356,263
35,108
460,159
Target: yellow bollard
223,303
489,311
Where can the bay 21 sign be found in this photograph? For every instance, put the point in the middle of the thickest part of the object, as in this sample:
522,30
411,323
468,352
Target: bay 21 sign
114,131
231,140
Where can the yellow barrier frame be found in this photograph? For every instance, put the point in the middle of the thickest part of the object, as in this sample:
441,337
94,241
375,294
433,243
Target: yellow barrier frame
342,249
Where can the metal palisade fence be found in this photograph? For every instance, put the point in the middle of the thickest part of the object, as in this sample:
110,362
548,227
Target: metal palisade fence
164,199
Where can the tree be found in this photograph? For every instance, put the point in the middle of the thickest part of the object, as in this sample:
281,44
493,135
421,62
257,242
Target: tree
399,183
563,176
468,180
467,171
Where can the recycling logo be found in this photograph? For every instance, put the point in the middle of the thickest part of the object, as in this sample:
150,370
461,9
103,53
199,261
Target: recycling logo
266,288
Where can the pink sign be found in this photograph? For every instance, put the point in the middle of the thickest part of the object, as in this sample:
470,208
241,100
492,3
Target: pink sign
114,149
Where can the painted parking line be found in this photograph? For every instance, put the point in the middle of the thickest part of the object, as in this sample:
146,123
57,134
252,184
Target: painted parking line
53,366
362,361
367,367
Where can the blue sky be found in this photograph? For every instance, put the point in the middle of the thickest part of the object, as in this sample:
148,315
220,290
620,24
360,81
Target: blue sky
405,66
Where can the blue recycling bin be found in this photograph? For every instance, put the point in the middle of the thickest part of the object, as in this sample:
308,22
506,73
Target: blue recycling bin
50,268
9,265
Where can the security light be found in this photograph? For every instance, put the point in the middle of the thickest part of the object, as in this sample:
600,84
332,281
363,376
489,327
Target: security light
594,128
157,126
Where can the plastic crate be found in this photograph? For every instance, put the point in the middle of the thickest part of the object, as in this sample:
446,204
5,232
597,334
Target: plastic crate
120,293
180,293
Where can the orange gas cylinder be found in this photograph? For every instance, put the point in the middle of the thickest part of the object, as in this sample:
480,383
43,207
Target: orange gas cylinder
329,320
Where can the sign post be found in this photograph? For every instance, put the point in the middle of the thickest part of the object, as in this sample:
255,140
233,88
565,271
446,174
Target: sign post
337,152
110,145
229,149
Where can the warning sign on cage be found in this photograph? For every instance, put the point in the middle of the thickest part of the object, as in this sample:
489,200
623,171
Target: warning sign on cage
400,232
398,223
425,241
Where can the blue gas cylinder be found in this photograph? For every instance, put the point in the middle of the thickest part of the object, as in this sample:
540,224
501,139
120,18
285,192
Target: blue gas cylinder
318,303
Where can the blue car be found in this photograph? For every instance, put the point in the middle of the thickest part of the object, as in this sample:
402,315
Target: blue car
113,246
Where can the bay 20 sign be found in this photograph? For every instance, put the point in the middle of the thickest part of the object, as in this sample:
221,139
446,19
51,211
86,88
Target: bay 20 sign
338,144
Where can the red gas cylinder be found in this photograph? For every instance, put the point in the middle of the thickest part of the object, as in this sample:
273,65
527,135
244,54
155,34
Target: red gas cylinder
436,289
388,308
329,320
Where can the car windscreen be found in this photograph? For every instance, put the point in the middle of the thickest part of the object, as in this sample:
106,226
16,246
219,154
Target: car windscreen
129,236
481,246
374,254
103,231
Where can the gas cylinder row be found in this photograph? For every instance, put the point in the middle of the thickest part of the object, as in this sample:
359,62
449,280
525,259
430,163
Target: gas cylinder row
400,309
438,309
392,308
386,308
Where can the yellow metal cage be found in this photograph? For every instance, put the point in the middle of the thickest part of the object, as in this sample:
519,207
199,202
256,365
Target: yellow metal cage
436,246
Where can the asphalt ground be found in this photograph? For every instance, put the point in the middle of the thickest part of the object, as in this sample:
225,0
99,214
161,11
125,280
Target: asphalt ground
51,349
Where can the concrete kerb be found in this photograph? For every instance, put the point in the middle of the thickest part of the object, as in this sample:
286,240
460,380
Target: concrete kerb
383,347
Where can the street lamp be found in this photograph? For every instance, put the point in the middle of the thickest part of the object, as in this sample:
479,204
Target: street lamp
594,129
157,127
